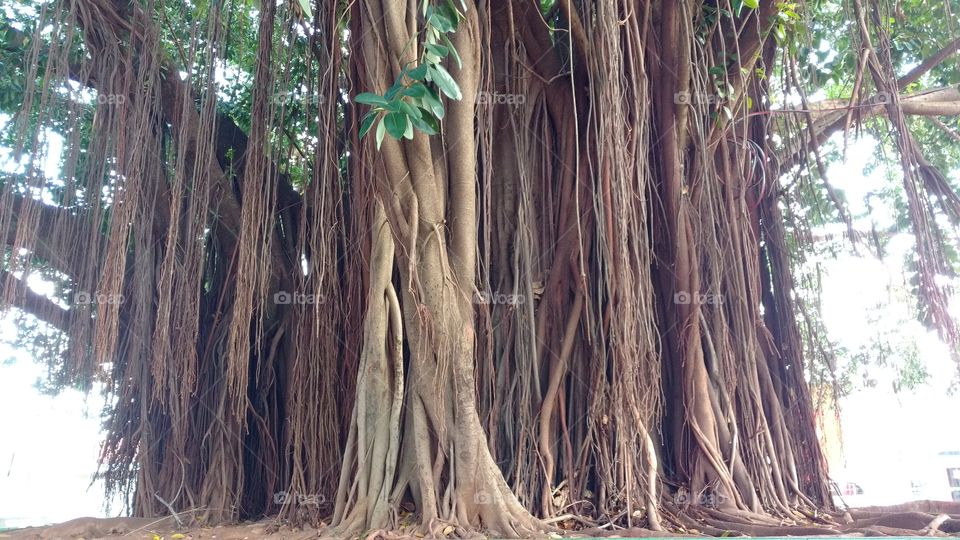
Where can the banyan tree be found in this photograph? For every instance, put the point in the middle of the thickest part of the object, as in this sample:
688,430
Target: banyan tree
391,263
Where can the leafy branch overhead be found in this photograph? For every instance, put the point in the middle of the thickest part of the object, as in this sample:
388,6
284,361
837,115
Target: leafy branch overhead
413,101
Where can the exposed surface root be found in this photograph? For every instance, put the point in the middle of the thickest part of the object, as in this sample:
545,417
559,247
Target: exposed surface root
897,520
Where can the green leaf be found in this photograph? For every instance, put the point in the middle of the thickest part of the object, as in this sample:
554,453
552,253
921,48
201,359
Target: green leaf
780,33
396,124
426,123
445,82
408,132
441,21
416,90
394,90
370,99
381,129
453,51
368,121
753,4
307,12
394,105
431,102
409,110
437,49
418,73
454,12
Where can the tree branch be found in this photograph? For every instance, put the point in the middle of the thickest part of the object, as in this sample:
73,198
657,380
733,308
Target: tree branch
28,301
914,74
43,244
829,117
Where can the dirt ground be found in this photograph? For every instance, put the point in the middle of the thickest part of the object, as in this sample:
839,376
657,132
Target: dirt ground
155,529
919,518
166,529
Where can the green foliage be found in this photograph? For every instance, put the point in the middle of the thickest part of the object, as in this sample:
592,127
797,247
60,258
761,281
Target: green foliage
710,12
12,45
738,5
917,29
413,101
787,22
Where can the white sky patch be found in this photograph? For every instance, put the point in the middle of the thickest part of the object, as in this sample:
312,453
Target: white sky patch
891,439
48,445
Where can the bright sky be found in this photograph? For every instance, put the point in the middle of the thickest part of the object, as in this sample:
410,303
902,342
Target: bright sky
48,446
890,439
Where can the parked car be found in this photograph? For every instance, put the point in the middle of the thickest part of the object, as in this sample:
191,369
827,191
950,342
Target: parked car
846,494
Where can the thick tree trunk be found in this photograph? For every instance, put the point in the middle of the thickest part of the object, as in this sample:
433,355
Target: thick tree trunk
429,185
